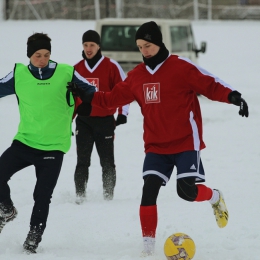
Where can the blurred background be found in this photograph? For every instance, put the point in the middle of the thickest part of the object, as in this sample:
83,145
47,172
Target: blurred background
98,9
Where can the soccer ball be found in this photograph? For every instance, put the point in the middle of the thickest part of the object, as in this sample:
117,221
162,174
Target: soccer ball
179,246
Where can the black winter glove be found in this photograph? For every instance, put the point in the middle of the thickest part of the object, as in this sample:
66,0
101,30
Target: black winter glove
84,109
79,92
234,97
121,119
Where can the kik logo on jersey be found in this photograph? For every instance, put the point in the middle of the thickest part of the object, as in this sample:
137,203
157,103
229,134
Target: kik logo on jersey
94,82
151,93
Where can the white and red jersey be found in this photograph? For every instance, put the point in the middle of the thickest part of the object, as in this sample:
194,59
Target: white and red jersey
169,104
104,76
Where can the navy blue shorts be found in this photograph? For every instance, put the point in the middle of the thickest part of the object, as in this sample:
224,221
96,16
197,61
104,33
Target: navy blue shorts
188,164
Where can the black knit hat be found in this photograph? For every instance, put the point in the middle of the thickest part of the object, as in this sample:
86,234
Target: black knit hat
149,32
91,36
35,45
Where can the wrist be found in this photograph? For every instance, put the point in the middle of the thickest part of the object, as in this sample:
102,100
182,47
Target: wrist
234,97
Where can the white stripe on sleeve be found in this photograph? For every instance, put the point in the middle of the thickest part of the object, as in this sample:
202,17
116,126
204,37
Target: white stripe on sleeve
7,77
121,72
205,72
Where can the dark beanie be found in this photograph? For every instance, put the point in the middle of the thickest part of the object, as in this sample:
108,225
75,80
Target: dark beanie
91,36
35,45
149,32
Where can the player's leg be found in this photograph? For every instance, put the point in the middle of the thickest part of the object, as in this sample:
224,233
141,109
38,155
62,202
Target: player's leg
47,165
157,170
84,143
189,172
148,211
104,140
11,161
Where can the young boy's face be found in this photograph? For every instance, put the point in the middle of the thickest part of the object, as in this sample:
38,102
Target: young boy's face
40,58
147,49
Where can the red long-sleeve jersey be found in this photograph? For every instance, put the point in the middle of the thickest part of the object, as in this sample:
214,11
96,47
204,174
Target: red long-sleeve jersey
169,104
104,76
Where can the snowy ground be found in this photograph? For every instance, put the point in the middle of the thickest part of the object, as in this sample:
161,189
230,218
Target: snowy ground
99,230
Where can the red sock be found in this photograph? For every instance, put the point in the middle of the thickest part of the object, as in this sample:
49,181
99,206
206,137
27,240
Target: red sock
148,219
204,193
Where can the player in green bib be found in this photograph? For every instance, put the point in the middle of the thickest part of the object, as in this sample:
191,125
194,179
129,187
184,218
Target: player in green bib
46,110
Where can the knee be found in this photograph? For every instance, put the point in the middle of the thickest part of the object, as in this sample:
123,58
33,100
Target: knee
186,189
108,166
83,162
152,185
107,163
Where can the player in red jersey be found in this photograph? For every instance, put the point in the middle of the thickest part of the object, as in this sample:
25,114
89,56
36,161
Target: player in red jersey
165,88
99,128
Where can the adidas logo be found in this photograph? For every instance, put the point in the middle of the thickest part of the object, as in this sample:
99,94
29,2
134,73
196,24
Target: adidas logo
193,167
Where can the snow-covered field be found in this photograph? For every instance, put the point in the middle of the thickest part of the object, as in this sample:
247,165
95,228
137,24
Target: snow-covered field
100,230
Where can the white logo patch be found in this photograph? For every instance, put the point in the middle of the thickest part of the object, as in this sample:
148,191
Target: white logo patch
152,93
94,82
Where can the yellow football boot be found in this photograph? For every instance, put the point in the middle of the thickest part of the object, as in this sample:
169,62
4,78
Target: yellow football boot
220,211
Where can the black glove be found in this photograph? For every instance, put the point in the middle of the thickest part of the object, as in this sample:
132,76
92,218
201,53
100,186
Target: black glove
234,97
84,109
79,92
121,119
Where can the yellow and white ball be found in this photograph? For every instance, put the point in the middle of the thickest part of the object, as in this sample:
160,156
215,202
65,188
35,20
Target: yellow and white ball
179,246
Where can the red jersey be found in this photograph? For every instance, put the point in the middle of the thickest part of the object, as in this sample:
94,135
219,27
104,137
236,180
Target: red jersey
104,76
169,104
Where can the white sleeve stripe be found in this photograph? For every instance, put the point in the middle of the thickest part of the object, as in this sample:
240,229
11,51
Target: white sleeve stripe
195,132
125,109
7,77
122,73
205,72
80,77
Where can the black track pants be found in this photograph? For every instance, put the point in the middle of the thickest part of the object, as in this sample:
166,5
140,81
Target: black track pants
47,167
98,131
